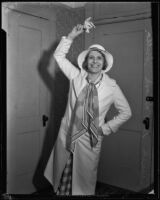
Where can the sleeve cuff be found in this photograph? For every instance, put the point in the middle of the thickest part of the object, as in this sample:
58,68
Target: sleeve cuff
113,126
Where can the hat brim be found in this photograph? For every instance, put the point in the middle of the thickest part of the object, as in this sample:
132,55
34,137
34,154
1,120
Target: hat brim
108,56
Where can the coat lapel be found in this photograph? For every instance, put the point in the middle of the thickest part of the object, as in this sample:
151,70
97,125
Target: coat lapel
79,83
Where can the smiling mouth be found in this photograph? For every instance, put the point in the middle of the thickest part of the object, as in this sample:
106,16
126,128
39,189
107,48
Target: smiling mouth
95,66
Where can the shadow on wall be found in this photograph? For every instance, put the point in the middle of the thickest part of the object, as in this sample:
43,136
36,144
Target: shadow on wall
58,86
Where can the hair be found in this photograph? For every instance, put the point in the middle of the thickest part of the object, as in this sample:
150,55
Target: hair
85,62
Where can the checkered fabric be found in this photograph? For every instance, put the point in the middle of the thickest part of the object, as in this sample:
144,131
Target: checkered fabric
65,187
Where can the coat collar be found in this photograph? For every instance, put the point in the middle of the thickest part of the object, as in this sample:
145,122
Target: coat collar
81,80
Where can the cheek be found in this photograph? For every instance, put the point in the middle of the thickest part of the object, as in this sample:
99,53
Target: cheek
89,61
102,63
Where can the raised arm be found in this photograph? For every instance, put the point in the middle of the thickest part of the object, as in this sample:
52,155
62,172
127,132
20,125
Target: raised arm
62,49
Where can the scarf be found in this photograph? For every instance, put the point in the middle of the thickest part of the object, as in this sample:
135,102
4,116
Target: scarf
85,116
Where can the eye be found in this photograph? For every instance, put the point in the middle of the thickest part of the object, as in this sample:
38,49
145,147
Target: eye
99,58
90,56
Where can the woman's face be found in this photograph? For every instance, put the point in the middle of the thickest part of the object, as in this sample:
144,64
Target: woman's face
95,62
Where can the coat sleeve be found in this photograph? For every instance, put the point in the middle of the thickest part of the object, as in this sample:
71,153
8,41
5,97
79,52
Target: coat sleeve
124,112
60,56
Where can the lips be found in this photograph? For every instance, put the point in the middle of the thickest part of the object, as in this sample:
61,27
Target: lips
95,66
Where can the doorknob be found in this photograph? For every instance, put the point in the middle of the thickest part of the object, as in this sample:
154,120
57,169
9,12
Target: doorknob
148,98
146,122
44,119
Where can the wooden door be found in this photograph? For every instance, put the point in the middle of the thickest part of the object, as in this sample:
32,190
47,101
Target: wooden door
126,155
27,37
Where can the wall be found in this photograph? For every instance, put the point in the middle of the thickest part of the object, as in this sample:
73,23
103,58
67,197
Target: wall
64,24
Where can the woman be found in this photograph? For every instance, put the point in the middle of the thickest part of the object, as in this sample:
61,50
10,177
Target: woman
72,166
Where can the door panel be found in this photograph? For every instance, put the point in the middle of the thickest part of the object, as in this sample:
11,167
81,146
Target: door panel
127,50
27,152
30,45
28,37
123,159
120,161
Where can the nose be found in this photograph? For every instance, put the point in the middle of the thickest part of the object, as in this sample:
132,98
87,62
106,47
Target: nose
94,60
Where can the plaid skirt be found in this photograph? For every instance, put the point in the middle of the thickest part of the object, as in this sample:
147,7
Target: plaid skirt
65,186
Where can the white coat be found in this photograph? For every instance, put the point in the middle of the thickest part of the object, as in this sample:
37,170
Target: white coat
85,159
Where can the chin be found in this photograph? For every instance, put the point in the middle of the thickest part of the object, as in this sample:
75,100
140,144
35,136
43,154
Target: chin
94,72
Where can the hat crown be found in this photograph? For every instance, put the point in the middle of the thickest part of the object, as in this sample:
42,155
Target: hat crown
97,46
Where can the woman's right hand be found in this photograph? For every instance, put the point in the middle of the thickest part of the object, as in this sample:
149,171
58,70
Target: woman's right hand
77,30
